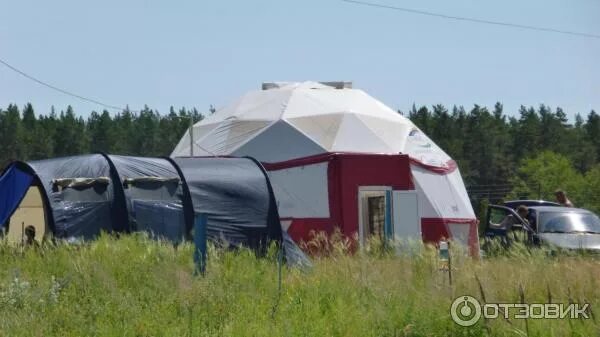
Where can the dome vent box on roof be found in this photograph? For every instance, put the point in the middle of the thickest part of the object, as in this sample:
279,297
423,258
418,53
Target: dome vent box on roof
333,84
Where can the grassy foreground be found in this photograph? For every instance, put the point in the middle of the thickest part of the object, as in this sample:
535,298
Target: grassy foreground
136,287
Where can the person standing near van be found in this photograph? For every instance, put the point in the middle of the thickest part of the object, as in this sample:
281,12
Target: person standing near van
561,198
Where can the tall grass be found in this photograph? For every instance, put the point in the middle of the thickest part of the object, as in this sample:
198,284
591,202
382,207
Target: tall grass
137,287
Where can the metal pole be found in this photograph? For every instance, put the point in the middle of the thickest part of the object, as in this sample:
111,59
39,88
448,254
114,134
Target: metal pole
387,222
200,238
449,265
191,136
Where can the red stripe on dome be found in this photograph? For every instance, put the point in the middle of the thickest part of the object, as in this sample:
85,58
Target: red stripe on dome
450,166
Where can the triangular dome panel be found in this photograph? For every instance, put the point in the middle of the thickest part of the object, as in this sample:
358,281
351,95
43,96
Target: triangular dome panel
200,131
322,129
229,135
279,142
263,105
354,136
391,133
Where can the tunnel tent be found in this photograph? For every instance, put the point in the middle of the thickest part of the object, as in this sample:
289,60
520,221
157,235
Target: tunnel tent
87,205
71,196
236,196
154,196
93,193
78,197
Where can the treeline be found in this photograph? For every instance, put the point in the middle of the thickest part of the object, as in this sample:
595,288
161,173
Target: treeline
528,154
25,135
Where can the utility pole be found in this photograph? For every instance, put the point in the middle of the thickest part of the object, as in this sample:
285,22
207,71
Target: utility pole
191,136
190,130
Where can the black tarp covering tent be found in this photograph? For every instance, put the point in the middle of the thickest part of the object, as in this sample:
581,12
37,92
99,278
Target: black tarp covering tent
154,197
80,194
235,196
85,195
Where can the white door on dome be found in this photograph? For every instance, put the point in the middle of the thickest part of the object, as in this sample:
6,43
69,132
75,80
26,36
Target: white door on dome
407,224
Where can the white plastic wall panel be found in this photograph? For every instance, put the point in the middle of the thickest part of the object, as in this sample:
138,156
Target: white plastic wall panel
301,192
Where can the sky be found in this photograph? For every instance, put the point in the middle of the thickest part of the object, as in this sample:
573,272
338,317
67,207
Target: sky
202,53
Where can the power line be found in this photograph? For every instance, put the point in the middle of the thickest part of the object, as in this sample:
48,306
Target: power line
475,20
63,91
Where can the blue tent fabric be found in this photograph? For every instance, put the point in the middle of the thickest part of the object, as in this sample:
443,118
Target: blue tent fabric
161,219
14,184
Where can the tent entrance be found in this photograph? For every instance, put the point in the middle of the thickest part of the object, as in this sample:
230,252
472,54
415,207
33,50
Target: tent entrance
374,208
29,213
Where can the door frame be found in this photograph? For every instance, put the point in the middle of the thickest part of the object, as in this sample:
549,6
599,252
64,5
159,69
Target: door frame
369,188
508,210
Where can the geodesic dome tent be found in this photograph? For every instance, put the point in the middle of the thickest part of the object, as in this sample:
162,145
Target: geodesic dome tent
339,158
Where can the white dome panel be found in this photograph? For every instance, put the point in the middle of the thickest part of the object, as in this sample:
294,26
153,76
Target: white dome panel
322,129
354,136
228,135
393,134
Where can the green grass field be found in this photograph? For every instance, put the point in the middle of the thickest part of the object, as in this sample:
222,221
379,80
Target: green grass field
136,287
